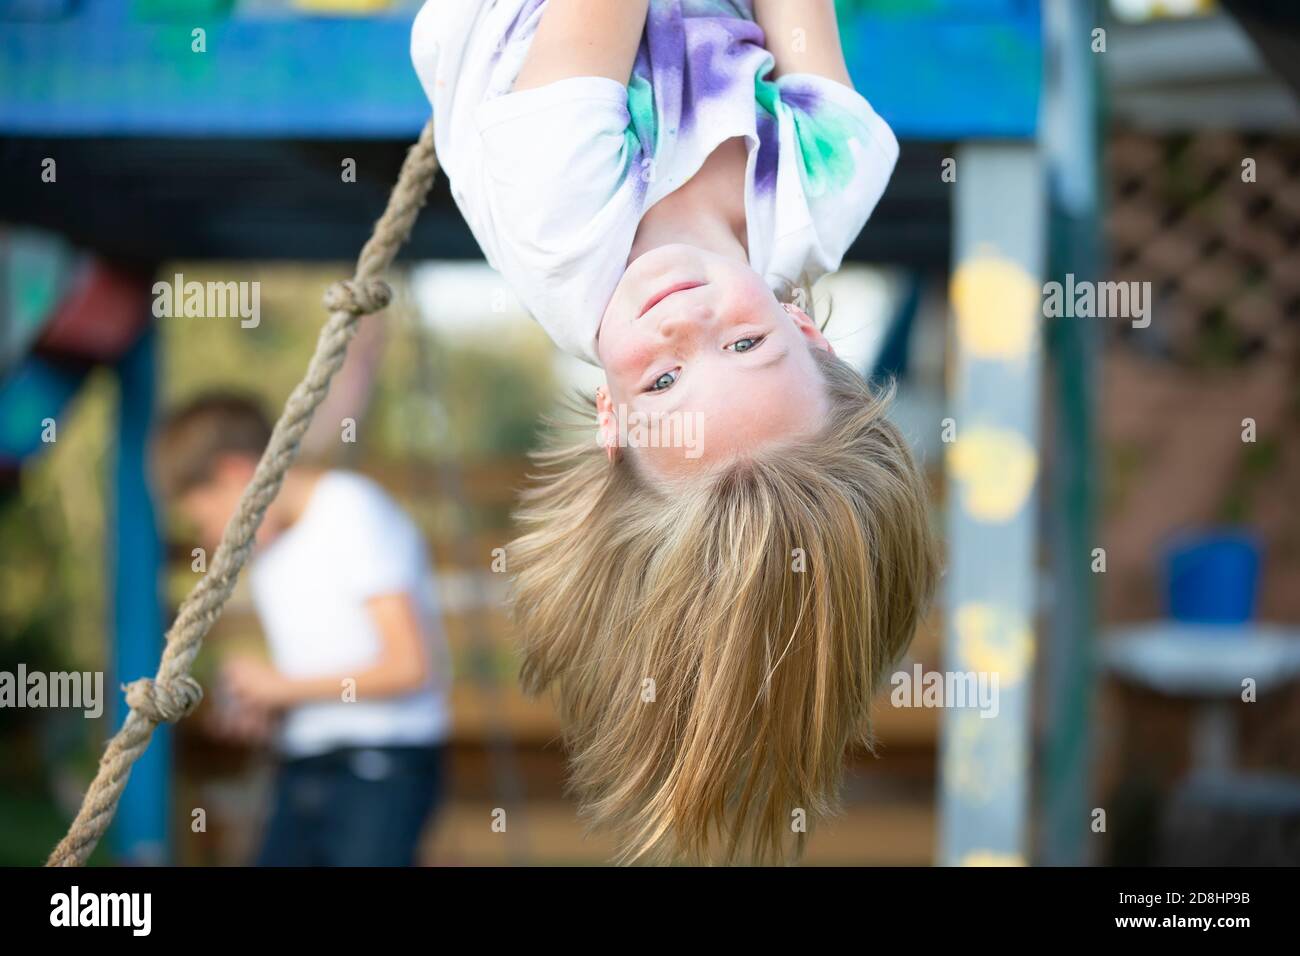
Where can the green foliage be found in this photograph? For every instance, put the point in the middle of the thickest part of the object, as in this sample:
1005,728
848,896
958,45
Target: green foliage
52,544
1258,461
53,605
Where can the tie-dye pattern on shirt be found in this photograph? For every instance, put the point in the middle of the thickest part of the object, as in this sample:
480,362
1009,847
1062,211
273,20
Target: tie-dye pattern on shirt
695,50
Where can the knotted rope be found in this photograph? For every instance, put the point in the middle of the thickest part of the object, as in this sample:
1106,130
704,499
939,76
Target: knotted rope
172,693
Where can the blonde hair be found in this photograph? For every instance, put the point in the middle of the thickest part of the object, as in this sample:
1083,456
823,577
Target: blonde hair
713,653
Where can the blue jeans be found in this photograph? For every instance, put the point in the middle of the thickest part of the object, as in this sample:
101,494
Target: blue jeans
362,806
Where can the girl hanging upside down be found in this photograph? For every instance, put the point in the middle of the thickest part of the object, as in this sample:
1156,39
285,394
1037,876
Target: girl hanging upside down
661,181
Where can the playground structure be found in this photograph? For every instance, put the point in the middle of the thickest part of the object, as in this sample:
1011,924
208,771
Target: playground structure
140,147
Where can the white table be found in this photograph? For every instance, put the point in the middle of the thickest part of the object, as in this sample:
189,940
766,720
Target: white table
1208,663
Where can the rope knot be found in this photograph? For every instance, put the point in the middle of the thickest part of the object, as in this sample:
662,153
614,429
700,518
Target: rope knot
358,297
164,702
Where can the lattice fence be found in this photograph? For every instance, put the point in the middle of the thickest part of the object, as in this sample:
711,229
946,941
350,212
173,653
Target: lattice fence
1222,254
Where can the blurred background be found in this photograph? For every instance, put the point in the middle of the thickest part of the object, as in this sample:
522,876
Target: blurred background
1118,500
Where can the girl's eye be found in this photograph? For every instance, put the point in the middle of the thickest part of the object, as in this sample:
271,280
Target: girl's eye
663,381
747,344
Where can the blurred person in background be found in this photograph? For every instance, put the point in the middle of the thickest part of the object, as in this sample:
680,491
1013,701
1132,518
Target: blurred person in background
355,696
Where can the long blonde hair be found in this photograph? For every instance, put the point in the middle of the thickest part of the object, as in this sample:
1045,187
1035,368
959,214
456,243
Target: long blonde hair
713,653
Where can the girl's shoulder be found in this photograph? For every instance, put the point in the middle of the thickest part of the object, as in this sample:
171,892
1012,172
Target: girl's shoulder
836,156
841,140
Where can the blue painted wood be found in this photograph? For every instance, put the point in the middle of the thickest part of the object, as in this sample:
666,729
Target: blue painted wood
140,829
947,69
314,78
942,69
35,9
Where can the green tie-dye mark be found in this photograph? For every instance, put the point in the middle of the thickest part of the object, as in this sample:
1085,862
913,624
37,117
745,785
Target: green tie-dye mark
822,134
823,137
735,9
767,94
644,132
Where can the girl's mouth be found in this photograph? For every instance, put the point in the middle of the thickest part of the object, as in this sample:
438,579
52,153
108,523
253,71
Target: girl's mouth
665,293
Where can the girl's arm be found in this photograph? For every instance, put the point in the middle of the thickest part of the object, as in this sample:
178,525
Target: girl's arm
584,38
804,37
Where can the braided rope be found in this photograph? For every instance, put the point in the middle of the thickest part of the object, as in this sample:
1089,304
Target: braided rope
172,693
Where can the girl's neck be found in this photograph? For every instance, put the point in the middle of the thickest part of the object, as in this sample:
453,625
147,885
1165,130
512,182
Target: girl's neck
708,211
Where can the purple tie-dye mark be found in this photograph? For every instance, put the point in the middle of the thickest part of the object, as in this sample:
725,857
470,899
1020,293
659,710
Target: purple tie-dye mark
769,151
691,59
523,15
659,63
802,98
704,79
691,53
715,64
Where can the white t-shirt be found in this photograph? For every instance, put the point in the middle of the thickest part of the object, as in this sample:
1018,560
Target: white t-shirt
554,180
310,586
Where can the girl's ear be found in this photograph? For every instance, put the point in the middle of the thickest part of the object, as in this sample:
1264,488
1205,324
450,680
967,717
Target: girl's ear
804,323
607,424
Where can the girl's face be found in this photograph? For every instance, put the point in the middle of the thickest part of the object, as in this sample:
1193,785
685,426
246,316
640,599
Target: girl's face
697,343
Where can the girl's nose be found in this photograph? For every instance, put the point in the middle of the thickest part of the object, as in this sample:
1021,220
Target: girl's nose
681,325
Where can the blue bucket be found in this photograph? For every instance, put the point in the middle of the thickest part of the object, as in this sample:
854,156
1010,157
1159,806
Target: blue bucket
1212,578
